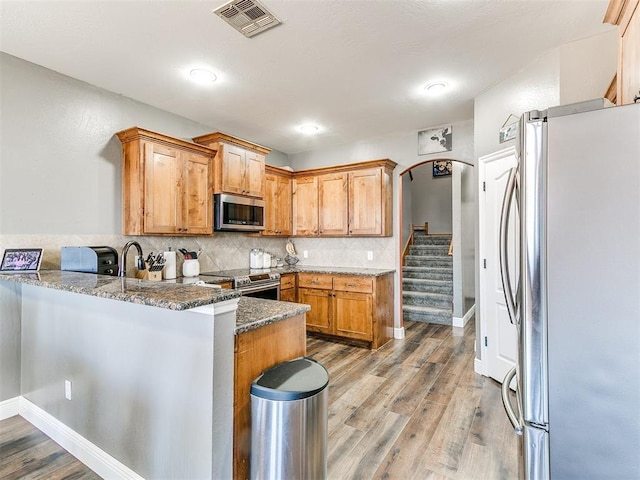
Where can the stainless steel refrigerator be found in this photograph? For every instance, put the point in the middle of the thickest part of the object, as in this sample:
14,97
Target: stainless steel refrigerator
576,303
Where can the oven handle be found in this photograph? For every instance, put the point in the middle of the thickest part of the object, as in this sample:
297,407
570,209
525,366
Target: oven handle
260,288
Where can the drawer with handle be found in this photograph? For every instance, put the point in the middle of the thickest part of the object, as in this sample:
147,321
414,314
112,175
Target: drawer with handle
287,281
314,280
349,283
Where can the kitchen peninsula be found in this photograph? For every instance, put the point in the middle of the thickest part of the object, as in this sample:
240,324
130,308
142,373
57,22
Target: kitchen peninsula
148,366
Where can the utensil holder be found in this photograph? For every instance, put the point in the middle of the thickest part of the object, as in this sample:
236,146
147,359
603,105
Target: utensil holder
191,268
147,274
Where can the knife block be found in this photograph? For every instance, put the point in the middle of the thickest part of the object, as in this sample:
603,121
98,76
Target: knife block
152,276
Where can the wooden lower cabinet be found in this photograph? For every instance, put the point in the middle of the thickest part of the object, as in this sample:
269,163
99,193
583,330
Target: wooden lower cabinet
354,307
256,351
288,287
319,318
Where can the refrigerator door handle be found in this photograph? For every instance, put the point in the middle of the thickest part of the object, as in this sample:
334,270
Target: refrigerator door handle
510,191
515,419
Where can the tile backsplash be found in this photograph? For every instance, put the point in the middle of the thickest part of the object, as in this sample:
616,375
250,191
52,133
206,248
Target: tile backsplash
222,251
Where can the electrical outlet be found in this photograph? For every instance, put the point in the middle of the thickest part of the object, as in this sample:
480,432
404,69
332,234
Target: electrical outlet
305,254
67,389
369,255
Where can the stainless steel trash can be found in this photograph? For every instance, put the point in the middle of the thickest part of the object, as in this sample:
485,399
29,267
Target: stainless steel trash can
289,422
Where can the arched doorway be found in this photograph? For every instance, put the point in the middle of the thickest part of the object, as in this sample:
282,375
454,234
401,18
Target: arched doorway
438,284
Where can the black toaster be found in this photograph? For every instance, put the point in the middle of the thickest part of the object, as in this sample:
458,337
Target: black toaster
101,260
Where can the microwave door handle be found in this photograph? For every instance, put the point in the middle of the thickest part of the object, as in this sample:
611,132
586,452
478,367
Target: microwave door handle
509,193
514,418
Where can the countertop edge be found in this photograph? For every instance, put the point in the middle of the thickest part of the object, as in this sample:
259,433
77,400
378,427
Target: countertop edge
141,292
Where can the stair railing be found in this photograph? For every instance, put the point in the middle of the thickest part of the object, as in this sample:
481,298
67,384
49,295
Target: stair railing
405,251
451,247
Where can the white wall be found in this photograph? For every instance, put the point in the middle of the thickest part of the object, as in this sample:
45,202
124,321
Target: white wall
431,199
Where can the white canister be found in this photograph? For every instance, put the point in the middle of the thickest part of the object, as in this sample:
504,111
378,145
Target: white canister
191,268
266,260
255,258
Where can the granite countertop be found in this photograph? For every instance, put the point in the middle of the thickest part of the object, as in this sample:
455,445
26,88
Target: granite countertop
254,313
369,272
172,296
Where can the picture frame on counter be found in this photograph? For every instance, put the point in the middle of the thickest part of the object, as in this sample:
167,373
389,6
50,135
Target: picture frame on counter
21,260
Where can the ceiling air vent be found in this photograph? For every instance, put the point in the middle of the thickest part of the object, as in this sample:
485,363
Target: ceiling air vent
249,17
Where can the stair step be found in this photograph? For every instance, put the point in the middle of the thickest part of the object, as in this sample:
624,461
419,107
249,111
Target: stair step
431,273
428,261
427,315
428,299
427,285
439,250
431,239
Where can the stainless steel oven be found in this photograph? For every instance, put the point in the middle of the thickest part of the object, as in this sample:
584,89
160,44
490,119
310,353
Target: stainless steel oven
268,290
251,283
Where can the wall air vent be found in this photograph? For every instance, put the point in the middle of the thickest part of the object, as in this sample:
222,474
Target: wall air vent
249,17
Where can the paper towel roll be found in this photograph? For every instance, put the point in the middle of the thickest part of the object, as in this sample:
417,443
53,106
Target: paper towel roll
169,272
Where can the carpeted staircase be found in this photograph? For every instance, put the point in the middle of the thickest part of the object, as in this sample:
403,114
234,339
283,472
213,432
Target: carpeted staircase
427,284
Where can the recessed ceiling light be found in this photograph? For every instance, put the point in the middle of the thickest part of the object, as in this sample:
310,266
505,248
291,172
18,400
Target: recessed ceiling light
201,75
309,129
436,87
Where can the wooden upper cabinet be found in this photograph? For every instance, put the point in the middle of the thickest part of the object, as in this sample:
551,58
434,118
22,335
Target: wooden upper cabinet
254,174
333,218
305,205
277,202
626,14
239,166
197,214
346,200
166,185
366,202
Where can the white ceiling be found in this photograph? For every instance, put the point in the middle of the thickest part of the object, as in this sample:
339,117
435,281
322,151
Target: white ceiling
355,67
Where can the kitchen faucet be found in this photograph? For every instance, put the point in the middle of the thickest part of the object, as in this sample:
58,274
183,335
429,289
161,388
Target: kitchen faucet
122,270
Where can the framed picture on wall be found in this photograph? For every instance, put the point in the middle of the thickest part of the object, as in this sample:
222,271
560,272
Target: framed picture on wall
21,260
435,140
442,168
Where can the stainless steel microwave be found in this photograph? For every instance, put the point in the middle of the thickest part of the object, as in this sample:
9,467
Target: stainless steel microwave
235,213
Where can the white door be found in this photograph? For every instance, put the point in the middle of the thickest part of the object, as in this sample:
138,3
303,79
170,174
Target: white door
498,336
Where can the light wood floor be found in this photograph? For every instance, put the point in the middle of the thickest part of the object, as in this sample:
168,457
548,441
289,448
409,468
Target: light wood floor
27,453
414,409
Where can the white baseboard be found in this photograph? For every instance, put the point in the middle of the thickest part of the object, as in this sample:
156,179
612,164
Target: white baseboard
10,408
398,333
477,367
461,322
96,459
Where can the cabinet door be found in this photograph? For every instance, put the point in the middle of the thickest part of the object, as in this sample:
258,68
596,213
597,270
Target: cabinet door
332,204
288,295
318,319
305,206
233,159
162,195
270,204
277,201
283,206
353,315
197,208
365,202
254,175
